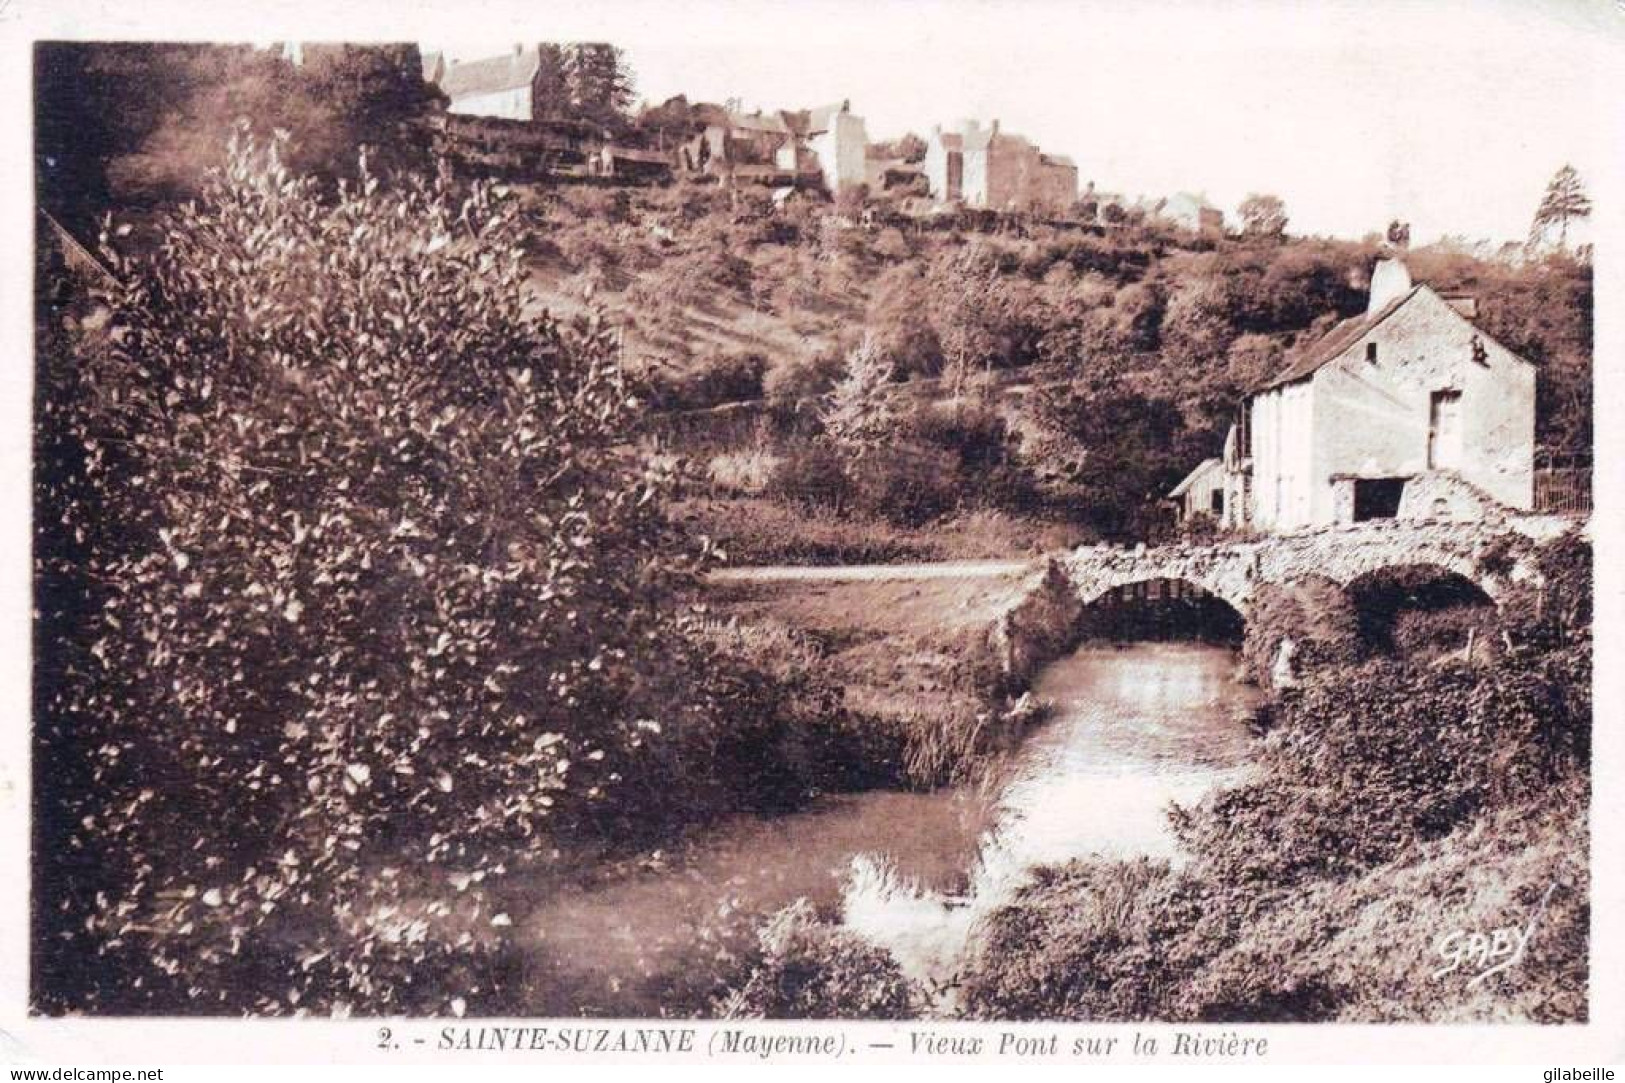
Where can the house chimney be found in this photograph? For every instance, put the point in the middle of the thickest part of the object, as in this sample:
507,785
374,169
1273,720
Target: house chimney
1389,280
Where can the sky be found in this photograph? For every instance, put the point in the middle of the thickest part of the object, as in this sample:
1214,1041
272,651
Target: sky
1451,114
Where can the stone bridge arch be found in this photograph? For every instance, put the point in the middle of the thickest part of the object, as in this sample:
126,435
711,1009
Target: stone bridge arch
1218,586
1349,554
1036,626
1234,571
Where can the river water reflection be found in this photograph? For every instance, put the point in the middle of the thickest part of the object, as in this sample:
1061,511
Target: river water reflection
1135,728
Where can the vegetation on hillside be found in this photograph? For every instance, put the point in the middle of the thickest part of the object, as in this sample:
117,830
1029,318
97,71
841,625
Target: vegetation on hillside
728,298
349,533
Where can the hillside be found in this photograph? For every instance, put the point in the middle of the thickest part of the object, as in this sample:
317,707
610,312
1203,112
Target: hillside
1064,373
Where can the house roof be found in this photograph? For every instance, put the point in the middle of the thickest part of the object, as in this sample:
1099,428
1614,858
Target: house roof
820,118
1190,479
511,71
759,122
1301,364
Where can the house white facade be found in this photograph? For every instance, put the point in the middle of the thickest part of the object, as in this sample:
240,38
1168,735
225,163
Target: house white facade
1407,411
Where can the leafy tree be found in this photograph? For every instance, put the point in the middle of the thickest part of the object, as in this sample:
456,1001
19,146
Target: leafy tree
1253,359
350,599
553,94
900,319
1197,324
1263,216
1135,448
141,122
909,148
1565,200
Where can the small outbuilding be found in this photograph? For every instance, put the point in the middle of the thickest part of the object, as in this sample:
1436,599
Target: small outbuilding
1202,492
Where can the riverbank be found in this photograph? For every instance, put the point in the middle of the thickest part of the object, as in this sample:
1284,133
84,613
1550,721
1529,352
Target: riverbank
1411,792
1415,788
901,723
920,664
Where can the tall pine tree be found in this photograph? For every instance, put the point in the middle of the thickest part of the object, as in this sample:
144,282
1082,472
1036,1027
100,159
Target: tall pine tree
1564,201
600,82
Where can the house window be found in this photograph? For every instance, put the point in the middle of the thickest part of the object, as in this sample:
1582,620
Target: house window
1216,502
1371,352
1377,498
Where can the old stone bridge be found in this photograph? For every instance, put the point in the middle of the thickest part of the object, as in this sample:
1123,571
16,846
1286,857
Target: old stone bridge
1032,628
1234,571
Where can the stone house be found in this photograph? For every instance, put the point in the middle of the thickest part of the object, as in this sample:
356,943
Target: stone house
1405,411
997,170
838,141
499,86
825,145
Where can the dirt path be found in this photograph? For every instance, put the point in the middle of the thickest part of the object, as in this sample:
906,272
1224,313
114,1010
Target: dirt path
856,573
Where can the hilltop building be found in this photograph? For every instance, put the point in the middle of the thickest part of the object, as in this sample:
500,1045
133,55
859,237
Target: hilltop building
503,86
1405,411
1192,212
997,170
827,144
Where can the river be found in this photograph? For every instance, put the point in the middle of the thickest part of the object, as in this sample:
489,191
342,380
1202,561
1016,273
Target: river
1135,728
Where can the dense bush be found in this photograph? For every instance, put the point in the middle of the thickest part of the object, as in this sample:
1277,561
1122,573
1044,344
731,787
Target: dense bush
1315,613
813,474
1389,754
1117,942
907,484
810,970
803,376
733,377
1083,942
351,598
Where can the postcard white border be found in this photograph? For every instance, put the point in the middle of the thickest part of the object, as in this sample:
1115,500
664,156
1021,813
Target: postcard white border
318,1042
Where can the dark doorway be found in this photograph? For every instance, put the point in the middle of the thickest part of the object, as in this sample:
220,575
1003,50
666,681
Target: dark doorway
1377,498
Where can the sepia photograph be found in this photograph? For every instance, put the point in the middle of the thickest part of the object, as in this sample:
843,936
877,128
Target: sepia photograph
972,514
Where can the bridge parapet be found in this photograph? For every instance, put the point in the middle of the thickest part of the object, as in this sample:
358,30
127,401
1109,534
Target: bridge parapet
1233,571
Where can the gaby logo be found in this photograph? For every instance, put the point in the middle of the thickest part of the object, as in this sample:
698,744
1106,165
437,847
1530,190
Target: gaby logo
1488,953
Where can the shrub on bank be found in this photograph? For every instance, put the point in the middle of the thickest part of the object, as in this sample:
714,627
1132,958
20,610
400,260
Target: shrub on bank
1386,754
811,970
1314,612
